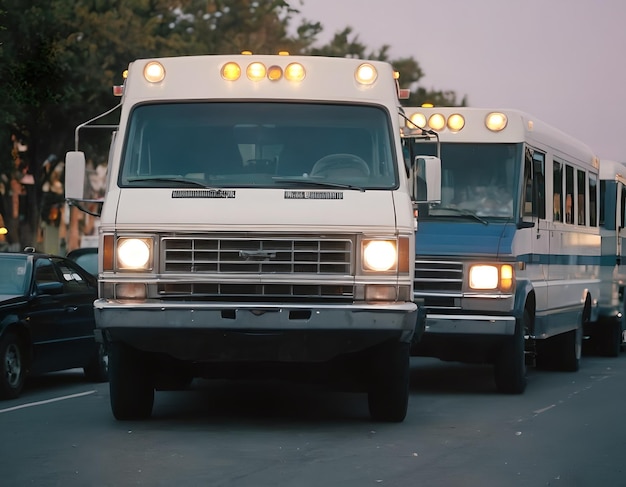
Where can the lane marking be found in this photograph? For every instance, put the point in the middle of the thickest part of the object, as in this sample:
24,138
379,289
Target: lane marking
539,411
47,401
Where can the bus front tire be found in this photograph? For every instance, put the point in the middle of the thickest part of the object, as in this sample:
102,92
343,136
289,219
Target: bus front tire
510,365
388,394
130,383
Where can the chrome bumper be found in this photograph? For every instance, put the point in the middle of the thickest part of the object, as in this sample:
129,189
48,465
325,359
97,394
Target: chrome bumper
469,324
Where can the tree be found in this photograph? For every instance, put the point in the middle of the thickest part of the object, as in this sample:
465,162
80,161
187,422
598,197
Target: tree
61,59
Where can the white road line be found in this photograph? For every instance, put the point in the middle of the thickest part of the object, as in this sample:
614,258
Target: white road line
47,401
538,411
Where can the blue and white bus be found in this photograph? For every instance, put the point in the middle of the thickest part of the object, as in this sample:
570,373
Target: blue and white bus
607,334
507,261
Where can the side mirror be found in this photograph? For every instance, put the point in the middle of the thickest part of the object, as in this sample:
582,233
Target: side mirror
53,287
75,175
426,179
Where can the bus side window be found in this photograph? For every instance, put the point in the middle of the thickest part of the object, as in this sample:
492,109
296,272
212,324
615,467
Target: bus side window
569,194
534,184
582,197
593,200
557,206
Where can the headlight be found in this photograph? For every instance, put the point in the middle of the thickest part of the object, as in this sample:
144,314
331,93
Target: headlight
485,277
379,255
134,253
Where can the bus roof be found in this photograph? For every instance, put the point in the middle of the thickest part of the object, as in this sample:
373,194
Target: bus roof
519,127
254,77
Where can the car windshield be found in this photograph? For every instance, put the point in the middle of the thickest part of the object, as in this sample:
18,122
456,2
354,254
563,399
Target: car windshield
477,179
14,270
88,261
274,145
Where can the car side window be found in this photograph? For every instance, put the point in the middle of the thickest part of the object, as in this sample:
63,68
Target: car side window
44,272
73,281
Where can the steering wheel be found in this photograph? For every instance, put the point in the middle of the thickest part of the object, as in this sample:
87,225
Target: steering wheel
340,165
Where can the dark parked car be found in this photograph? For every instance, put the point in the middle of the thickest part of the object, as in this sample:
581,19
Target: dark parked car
46,320
87,258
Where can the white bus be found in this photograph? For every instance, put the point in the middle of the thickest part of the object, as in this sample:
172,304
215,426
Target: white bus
507,262
607,334
257,220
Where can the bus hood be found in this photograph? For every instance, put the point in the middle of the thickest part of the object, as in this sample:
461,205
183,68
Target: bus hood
153,209
464,238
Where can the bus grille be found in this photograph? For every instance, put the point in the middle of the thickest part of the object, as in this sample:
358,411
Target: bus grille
258,292
438,283
257,256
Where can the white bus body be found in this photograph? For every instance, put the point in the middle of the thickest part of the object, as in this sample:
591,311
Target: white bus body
257,214
507,263
607,334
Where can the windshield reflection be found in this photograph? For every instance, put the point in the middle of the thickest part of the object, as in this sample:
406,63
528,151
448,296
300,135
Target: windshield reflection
225,145
477,179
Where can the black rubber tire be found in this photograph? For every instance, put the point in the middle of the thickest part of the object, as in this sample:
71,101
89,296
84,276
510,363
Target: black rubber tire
510,364
98,368
569,350
611,339
388,394
12,366
130,383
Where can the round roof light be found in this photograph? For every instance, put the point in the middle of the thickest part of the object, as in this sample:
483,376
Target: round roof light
366,74
417,120
256,71
496,121
231,71
154,72
274,73
456,122
437,121
295,72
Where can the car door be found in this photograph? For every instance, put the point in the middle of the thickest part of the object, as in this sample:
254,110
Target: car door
78,324
61,318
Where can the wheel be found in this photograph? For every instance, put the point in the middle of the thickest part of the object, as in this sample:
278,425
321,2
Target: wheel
12,367
98,368
611,338
570,349
510,365
388,394
130,383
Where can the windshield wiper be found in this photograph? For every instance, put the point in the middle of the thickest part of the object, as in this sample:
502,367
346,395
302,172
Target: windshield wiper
320,184
189,182
462,212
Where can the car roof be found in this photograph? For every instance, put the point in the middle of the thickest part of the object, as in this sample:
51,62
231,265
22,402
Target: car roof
82,251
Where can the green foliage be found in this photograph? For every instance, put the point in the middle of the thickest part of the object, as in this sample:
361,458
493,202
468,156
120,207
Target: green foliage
60,59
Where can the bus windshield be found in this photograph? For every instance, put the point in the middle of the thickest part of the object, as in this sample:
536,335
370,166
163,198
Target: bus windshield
477,179
265,144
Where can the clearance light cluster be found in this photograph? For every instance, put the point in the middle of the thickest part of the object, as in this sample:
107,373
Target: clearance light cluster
494,121
483,277
365,74
256,71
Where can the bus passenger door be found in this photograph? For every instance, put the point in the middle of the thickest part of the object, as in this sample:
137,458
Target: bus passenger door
537,237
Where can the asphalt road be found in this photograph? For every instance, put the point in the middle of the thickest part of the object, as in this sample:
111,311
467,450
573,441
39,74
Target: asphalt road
566,430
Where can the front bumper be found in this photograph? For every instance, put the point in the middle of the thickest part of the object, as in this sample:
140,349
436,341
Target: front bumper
230,332
469,324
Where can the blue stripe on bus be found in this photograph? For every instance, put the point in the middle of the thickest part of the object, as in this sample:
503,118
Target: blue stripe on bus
471,240
462,239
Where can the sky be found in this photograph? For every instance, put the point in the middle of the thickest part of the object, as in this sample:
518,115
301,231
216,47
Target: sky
561,61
